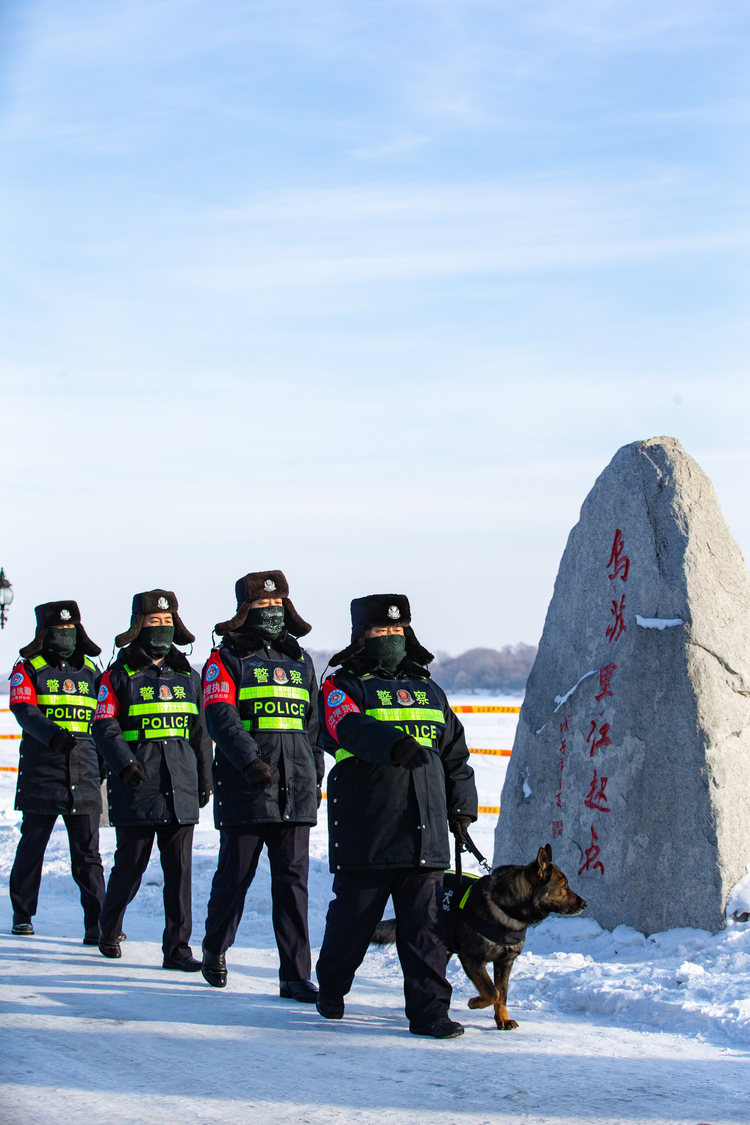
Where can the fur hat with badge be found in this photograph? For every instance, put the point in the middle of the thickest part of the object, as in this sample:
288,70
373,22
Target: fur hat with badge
380,611
263,584
54,614
154,601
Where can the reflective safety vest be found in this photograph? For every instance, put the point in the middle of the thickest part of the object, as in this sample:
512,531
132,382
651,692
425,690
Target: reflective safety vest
158,707
274,694
410,706
68,699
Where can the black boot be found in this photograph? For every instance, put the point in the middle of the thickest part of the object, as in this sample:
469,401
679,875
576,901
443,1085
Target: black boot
441,1028
91,936
22,926
302,990
186,964
330,1007
214,969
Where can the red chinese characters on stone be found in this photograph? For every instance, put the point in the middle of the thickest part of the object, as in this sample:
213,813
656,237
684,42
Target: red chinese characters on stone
617,627
597,797
618,560
593,863
605,681
603,739
557,827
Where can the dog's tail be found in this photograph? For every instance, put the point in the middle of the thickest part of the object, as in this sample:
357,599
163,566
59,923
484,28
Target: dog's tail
385,932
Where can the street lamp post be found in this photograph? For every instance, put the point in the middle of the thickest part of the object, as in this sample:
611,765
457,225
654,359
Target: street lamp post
6,596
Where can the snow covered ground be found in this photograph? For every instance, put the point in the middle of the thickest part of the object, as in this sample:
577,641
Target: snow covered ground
614,1027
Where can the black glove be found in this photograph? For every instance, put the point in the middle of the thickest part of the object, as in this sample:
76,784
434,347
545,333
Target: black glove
62,742
258,775
458,824
133,775
318,796
407,752
203,799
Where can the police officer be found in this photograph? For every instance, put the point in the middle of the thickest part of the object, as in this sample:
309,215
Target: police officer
53,697
261,710
149,728
402,774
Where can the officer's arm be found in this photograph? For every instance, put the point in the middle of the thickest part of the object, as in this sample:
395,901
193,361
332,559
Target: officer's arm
460,786
221,676
23,704
200,740
106,730
343,714
313,728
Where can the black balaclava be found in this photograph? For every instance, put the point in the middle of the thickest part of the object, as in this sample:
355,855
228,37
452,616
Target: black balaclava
389,650
156,640
61,642
268,620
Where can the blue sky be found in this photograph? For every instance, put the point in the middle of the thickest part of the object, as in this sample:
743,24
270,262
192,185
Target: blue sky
368,291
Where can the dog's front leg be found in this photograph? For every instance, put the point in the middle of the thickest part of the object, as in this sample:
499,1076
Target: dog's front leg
502,967
478,975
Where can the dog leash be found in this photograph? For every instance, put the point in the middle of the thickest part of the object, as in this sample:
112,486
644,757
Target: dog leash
464,843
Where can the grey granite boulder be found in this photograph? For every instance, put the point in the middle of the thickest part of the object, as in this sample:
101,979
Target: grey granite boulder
632,755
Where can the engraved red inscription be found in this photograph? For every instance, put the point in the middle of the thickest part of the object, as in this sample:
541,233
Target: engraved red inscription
618,560
605,681
617,627
592,856
597,797
603,737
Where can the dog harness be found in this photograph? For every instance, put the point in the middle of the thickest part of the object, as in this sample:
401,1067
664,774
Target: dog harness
493,932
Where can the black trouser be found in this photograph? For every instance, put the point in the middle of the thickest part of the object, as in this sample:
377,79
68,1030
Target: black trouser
85,863
361,898
134,844
288,854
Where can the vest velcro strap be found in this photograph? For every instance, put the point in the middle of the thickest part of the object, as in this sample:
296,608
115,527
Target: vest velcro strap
271,691
179,708
407,714
160,732
264,723
66,700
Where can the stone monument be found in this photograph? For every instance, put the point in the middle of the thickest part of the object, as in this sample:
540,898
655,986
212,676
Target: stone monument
632,755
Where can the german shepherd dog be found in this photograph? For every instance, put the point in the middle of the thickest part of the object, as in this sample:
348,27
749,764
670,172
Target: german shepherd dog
490,919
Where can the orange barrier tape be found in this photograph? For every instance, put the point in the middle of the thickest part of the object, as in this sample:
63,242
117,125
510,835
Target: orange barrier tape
465,710
13,736
500,753
9,769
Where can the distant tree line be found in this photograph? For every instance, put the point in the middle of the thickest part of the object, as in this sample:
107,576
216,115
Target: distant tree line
501,672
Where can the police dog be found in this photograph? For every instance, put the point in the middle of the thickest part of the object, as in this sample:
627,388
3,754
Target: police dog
489,922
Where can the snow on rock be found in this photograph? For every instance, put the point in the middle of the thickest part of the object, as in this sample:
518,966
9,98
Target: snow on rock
660,623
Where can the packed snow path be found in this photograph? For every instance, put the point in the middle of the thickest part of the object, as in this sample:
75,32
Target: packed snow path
614,1027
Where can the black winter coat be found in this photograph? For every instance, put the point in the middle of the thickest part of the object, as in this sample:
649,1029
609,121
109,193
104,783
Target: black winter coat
381,815
293,756
49,781
177,769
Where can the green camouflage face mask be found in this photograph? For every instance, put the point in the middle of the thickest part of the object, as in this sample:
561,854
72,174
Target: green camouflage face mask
268,620
388,650
61,642
156,640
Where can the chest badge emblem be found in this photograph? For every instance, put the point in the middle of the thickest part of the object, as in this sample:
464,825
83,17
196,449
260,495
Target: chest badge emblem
404,698
280,676
69,687
165,692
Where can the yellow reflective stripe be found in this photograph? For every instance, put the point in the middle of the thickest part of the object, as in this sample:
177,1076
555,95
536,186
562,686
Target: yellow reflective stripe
37,662
465,899
397,714
162,732
424,742
271,691
273,724
341,755
68,724
179,708
66,700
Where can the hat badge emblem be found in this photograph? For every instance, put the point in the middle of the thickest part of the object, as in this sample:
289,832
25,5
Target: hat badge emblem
163,603
394,612
65,615
269,584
